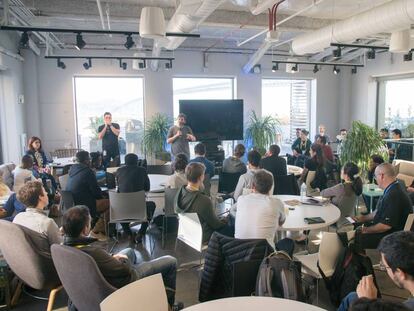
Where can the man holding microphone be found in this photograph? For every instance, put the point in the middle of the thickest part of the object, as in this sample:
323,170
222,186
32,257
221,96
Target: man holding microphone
109,133
179,136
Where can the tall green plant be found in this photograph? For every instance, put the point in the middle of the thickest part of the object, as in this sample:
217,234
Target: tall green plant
94,123
361,143
261,131
155,134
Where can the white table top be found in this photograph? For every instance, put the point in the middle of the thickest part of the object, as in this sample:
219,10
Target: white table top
61,162
157,182
295,218
252,303
375,192
295,170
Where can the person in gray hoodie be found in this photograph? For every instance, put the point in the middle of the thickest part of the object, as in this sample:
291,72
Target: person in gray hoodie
190,199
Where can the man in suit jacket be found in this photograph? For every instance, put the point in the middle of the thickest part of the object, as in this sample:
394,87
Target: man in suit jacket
273,163
133,178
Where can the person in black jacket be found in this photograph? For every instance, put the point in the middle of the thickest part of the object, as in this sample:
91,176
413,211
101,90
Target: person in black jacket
133,178
84,187
274,164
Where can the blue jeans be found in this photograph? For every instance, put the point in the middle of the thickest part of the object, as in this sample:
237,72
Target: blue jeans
166,265
348,301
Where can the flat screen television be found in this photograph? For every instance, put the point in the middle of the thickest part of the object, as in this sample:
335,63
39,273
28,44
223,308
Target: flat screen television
214,119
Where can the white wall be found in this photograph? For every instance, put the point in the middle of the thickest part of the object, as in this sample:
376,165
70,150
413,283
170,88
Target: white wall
52,102
363,99
12,114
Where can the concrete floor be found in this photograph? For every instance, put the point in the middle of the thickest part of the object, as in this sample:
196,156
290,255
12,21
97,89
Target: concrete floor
187,279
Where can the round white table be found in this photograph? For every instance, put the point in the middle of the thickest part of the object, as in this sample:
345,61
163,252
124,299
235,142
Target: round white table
295,170
157,182
295,218
252,303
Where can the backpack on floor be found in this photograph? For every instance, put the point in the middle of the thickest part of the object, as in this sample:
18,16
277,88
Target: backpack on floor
280,276
349,270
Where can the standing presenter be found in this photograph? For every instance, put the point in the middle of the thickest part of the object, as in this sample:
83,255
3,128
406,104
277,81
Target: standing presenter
109,133
179,135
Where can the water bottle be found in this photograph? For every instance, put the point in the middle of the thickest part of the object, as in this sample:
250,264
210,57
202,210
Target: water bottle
302,192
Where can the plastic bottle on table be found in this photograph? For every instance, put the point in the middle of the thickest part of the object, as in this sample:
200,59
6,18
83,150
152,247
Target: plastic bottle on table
302,191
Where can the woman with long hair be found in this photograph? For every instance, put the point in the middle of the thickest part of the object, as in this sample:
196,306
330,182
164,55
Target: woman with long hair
316,164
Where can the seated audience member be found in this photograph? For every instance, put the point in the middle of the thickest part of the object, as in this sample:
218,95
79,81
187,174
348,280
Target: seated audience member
384,133
96,161
298,130
397,257
315,164
134,178
84,187
340,140
245,183
327,150
391,213
351,186
365,304
34,149
191,200
119,269
34,196
373,163
11,208
200,157
410,191
301,146
178,179
322,133
234,164
259,215
23,173
399,151
273,163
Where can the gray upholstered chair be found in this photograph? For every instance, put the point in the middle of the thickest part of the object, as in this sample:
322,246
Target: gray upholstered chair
28,254
81,278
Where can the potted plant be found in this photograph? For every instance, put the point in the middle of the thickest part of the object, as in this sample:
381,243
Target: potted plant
360,144
155,138
261,132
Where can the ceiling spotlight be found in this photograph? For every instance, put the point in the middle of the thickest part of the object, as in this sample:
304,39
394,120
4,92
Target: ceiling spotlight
354,70
408,57
294,69
337,53
24,39
80,43
142,64
122,65
371,54
88,64
61,64
129,42
275,67
168,65
336,70
315,69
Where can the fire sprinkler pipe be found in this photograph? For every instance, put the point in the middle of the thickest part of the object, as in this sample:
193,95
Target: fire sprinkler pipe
98,2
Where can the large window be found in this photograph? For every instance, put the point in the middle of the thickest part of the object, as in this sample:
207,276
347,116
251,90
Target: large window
289,102
122,97
203,88
395,108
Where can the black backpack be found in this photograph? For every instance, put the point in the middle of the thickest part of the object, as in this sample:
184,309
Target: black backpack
350,268
280,276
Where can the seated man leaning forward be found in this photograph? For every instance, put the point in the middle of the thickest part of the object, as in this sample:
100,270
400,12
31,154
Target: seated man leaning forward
259,215
119,269
35,198
397,258
391,213
190,199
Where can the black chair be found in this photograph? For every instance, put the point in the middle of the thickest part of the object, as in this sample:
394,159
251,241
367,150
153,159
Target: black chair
286,184
244,277
81,277
228,182
160,169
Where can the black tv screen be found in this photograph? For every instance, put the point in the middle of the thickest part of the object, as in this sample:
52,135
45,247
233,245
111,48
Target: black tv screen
214,119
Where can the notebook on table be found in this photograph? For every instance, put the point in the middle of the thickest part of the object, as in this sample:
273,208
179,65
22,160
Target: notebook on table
314,220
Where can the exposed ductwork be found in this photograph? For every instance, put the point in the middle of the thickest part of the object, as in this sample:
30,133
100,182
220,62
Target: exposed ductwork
188,16
389,17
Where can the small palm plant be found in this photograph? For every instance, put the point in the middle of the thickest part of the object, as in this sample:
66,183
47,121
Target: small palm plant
155,135
361,143
261,131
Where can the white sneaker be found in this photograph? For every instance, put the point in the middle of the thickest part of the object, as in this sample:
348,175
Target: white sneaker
100,236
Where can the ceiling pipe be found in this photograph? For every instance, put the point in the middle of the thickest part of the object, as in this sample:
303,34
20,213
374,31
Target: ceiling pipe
98,3
389,17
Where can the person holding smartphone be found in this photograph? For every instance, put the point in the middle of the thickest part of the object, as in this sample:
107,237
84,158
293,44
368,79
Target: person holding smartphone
109,133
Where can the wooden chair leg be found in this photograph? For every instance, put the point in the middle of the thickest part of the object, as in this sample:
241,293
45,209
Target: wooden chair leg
17,293
52,296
